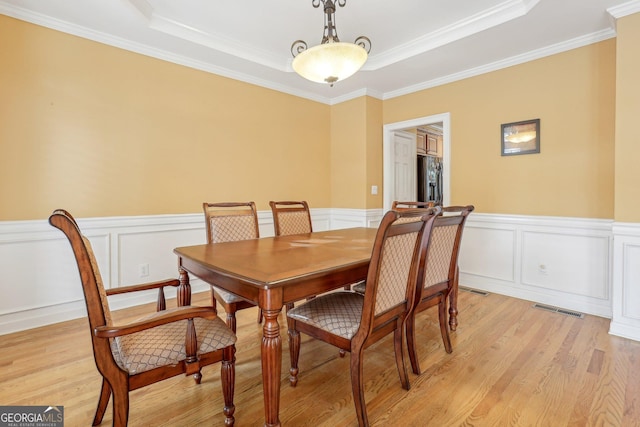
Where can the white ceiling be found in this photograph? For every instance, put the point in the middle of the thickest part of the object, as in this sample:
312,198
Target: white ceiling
416,44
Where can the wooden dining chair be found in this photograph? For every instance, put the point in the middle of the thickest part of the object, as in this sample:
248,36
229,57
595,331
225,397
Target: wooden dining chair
228,222
453,322
352,321
291,218
440,278
411,205
162,345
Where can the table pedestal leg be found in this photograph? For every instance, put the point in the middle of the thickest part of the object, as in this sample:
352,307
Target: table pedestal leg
271,366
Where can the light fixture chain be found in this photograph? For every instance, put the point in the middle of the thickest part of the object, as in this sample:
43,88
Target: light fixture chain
330,33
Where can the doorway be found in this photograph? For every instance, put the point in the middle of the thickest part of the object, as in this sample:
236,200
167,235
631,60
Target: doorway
389,171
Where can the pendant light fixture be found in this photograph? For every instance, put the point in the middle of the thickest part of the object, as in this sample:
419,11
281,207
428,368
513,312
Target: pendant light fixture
331,60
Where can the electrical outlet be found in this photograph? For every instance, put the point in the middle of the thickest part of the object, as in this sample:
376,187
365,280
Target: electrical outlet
374,189
143,270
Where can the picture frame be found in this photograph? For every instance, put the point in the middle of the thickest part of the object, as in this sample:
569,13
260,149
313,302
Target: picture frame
520,137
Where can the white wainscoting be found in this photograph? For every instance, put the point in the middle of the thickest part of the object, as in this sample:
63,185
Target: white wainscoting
41,285
564,262
626,281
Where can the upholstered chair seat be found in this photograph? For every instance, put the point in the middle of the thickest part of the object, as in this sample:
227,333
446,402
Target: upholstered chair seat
338,313
165,345
228,297
359,287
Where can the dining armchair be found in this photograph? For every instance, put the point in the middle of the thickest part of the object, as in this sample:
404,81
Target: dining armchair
227,222
352,321
440,278
161,345
291,218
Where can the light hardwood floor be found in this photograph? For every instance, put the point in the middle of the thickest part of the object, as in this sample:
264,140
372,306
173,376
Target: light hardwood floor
512,365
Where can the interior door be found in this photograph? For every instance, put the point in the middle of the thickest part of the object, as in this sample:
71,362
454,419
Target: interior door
404,166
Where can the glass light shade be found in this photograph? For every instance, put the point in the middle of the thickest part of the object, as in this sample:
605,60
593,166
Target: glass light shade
329,62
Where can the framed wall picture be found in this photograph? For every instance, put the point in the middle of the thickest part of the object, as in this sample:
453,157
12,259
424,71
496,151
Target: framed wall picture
520,137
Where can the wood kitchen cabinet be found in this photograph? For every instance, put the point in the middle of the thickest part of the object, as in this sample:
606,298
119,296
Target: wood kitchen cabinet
432,144
428,141
421,142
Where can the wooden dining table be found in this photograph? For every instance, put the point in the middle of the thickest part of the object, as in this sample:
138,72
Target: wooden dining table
275,271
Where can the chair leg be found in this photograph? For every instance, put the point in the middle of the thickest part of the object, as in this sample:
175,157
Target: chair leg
214,303
399,352
120,390
453,302
259,315
294,353
411,343
228,379
442,317
103,400
231,320
357,386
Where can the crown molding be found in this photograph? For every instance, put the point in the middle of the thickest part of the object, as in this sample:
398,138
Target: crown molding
625,9
510,7
481,21
473,24
216,42
508,62
356,94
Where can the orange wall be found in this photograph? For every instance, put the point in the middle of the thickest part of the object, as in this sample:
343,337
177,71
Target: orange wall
572,93
348,153
374,152
101,131
356,153
104,132
627,194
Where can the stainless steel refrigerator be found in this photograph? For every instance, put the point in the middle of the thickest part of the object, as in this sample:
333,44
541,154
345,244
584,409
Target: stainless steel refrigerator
429,179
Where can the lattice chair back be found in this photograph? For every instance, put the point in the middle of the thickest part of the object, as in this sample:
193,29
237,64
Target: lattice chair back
228,222
444,248
291,218
392,278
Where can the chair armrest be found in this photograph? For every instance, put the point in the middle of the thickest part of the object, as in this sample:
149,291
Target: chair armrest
143,286
160,318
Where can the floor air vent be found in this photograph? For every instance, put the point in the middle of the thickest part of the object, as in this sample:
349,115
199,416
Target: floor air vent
473,291
559,310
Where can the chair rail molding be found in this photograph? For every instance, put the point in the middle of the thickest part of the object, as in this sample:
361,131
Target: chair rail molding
566,262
